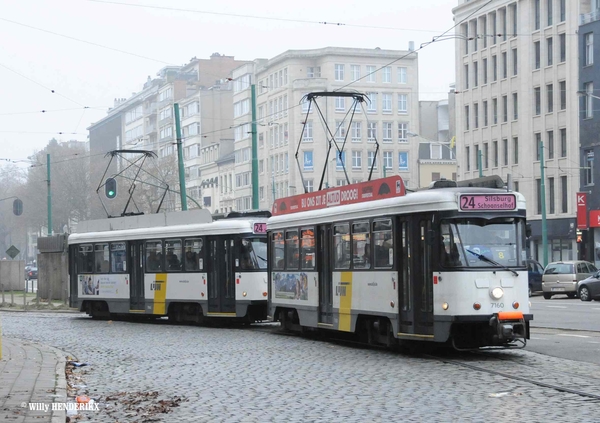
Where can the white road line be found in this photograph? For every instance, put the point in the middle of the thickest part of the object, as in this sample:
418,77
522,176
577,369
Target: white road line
574,336
556,306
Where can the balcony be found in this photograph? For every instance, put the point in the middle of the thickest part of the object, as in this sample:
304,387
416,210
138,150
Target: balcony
150,110
589,17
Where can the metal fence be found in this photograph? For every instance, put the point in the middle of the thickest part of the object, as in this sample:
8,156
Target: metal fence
29,298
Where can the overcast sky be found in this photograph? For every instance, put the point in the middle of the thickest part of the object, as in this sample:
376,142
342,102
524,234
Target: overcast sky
91,51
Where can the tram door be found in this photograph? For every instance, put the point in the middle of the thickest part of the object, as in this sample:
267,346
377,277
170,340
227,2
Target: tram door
416,284
325,278
136,276
220,273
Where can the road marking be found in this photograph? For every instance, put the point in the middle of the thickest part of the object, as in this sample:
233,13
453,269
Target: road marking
574,336
556,306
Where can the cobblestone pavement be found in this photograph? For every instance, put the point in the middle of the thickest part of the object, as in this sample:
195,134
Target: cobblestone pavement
246,375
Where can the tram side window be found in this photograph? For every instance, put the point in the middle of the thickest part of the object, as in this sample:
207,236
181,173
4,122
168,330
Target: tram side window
86,259
154,262
118,257
361,245
194,253
450,255
308,248
101,258
384,243
173,257
341,242
292,252
277,251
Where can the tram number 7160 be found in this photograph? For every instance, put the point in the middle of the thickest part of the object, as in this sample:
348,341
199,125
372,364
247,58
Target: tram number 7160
497,305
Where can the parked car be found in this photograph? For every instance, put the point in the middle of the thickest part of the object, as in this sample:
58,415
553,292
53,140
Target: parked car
535,271
32,273
562,277
589,288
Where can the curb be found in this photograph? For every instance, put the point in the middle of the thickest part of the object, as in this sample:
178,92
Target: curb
11,310
60,416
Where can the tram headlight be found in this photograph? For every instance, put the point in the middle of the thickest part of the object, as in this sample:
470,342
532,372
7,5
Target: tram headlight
445,306
497,293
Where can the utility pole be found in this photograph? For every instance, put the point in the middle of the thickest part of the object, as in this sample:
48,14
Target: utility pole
182,189
254,149
543,200
49,196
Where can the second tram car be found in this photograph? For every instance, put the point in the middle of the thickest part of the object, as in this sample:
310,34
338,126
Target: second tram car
444,265
185,270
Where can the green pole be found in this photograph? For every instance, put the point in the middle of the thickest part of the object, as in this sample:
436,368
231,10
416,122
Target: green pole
543,200
479,162
180,158
254,150
49,196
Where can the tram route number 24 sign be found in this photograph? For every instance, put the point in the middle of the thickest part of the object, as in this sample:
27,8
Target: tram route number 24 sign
488,202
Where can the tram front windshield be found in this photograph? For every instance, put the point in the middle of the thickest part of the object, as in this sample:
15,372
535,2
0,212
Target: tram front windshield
254,253
485,243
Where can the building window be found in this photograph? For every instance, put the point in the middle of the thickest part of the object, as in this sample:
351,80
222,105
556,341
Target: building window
550,137
387,74
563,9
588,100
403,132
372,102
564,194
550,97
356,131
477,156
356,159
495,111
371,159
515,19
515,106
371,72
476,115
313,72
550,50
494,26
475,74
551,199
589,49
505,151
537,98
372,132
339,72
504,108
485,113
515,150
536,14
538,139
515,62
340,160
495,153
485,155
504,65
536,57
562,42
466,76
340,104
538,194
467,151
388,160
386,103
387,132
308,160
516,186
563,94
494,68
402,103
563,142
588,157
355,72
402,75
485,70
466,118
307,136
549,11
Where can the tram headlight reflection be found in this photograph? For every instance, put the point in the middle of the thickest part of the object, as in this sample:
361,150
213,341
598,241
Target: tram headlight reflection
497,293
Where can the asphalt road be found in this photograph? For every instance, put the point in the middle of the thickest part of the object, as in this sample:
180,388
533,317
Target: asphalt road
566,328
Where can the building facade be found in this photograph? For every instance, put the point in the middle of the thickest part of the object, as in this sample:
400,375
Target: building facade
516,89
292,137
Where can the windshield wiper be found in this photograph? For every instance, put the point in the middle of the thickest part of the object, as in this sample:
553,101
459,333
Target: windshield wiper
489,260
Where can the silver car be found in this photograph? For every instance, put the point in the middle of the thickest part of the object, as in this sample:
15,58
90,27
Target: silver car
589,289
561,277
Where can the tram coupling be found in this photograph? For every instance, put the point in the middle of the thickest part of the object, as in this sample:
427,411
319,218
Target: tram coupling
508,326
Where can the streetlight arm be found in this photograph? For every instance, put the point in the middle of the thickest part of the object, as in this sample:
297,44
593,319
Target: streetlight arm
582,93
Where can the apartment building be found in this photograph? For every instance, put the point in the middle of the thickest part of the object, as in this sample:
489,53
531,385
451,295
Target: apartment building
516,88
293,138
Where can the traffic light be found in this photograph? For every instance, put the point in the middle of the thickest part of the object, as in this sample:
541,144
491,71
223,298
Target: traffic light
18,207
579,237
110,188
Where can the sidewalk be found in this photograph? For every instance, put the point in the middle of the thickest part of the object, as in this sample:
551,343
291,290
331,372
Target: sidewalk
31,373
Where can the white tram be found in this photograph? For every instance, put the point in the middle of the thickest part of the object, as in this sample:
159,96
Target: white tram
174,266
445,265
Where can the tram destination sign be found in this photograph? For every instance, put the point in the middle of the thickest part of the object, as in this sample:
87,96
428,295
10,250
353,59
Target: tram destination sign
376,189
488,202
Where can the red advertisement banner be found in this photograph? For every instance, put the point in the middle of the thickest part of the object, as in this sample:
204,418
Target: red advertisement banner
365,191
582,222
594,218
